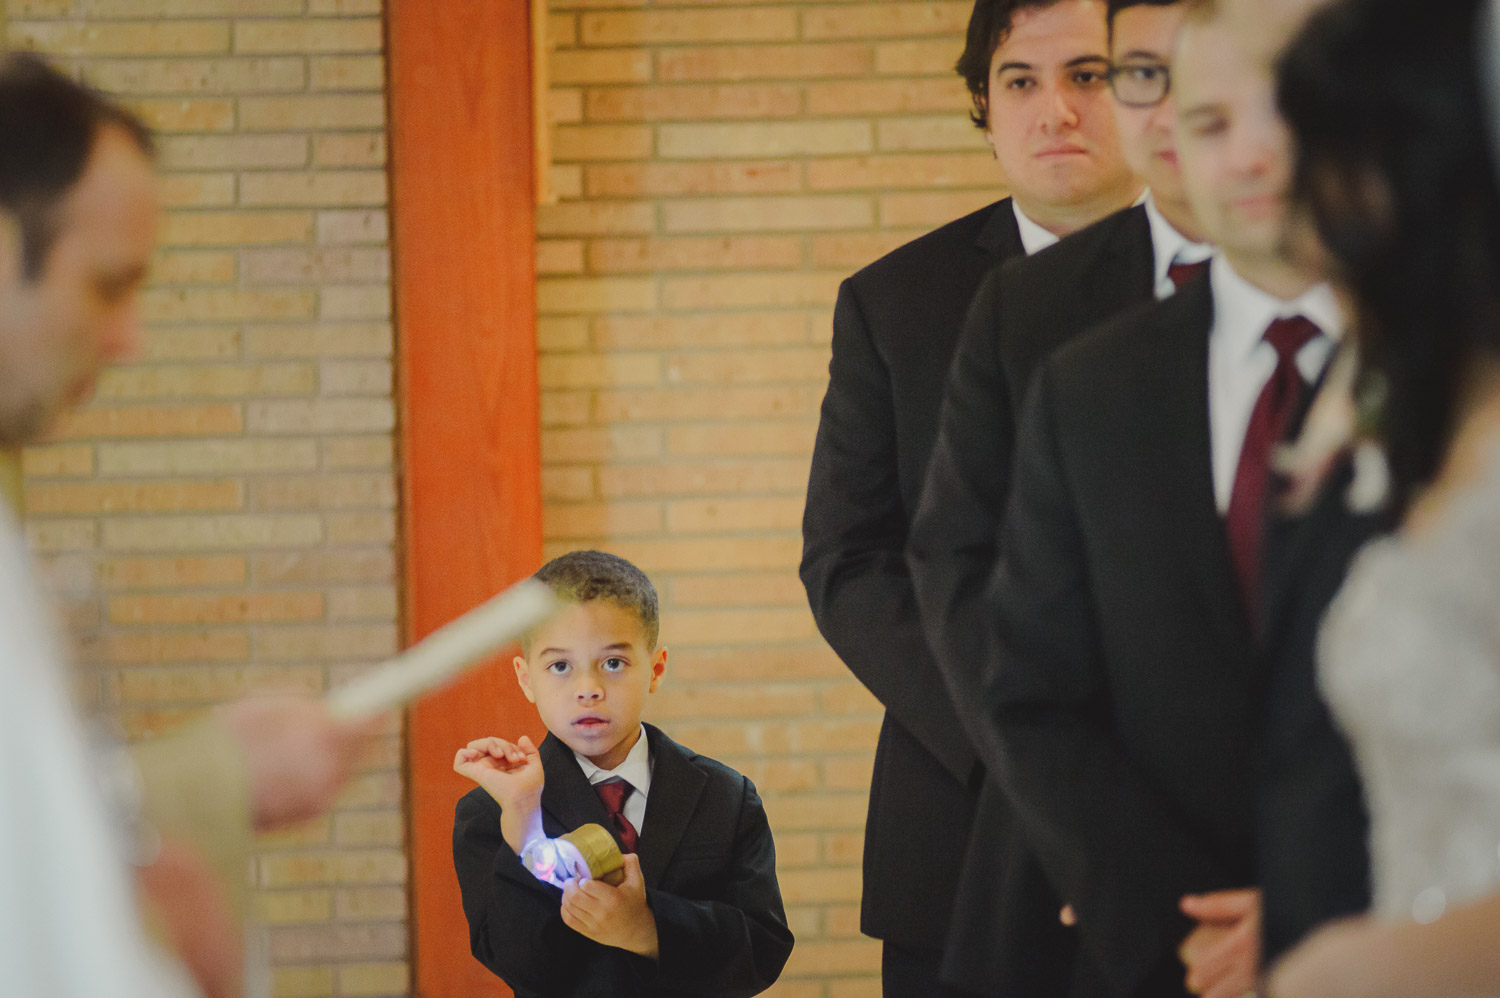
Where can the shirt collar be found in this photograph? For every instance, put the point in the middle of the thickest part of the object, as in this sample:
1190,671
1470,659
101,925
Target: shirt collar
1034,238
1242,311
635,770
1170,246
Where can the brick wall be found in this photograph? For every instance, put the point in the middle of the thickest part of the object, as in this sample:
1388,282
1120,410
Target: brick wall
223,515
720,168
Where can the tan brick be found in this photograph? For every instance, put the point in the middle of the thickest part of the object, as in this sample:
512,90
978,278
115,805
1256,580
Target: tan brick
198,645
235,609
193,76
152,421
153,573
567,180
326,340
93,498
868,986
562,31
740,24
831,957
186,8
353,453
215,305
846,774
598,371
271,114
559,256
788,138
601,520
193,268
196,190
208,380
356,980
721,515
235,228
196,685
370,903
353,149
810,662
293,907
579,143
376,603
57,461
314,266
348,72
909,58
595,218
742,439
191,343
595,294
656,332
638,179
207,533
852,250
887,20
334,8
356,377
697,554
750,290
302,982
886,96
359,226
348,642
692,102
738,589
843,921
759,62
656,405
60,38
52,536
323,189
615,66
716,253
306,835
931,209
755,366
309,35
849,698
600,444
361,528
357,301
765,214
945,133
186,115
818,812
564,106
717,627
324,492
568,484
323,567
365,829
566,408
732,701
232,152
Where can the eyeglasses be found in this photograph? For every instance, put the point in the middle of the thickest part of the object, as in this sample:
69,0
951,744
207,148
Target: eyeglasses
1140,84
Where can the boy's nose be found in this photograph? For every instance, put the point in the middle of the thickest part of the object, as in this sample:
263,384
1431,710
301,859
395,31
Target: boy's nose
588,691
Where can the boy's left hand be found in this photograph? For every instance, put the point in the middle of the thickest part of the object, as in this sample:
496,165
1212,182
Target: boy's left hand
613,916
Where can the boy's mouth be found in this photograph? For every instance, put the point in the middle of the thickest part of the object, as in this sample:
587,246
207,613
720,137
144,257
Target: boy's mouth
589,721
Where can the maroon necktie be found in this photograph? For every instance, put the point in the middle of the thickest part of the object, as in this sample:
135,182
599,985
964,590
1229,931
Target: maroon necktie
613,793
1278,400
1181,273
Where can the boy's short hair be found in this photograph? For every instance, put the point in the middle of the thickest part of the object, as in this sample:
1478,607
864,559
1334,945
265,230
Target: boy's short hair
585,576
49,123
989,24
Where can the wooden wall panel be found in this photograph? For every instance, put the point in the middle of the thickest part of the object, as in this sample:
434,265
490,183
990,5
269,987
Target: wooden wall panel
463,228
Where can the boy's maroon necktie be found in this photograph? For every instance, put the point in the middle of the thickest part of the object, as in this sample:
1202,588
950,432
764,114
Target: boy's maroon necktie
613,793
1279,399
1181,273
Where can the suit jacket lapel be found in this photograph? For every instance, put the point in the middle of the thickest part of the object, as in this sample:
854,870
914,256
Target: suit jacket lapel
1132,258
567,798
676,785
1184,479
1000,236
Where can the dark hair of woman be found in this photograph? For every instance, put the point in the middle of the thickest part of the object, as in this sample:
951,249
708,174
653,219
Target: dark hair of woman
1394,168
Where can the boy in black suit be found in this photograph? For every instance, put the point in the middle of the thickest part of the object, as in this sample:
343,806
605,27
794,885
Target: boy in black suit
699,911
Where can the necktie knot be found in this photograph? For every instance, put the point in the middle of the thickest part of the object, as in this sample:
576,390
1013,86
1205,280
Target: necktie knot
1288,336
1180,272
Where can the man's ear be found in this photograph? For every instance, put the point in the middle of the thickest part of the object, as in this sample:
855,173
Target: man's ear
523,677
658,668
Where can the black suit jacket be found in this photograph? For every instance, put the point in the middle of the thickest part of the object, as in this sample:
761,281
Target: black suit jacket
1313,825
1120,697
895,327
1023,311
710,870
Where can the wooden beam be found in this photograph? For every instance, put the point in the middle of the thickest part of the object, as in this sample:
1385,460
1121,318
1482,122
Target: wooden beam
463,238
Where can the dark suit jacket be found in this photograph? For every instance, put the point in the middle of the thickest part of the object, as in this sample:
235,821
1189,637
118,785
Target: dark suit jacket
1023,311
710,870
894,330
1120,698
1313,827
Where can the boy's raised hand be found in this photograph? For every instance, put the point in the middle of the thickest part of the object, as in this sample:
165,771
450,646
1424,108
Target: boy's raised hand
613,916
510,772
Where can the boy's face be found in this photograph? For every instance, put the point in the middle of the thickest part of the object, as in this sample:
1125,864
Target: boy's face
1236,153
588,671
1143,39
1049,116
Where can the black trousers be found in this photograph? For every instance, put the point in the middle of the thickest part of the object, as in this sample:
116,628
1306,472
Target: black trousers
913,973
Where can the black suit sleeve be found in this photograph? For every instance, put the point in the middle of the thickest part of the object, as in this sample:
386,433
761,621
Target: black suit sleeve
854,533
1105,836
737,943
515,920
955,534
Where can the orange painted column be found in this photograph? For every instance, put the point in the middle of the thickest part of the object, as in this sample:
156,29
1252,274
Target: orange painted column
463,231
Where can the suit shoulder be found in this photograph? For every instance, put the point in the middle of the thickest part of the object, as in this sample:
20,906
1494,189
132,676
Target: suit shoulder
932,251
1133,337
722,778
1081,249
475,804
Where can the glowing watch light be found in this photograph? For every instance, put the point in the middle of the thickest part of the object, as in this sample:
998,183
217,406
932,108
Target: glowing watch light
586,853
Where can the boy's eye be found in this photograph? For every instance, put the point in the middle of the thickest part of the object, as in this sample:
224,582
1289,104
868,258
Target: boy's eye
557,668
614,664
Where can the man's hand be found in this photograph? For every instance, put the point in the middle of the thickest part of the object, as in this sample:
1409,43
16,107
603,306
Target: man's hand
1222,954
512,774
299,757
613,916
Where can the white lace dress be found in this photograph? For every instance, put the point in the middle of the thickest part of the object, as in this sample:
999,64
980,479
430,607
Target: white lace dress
1409,661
